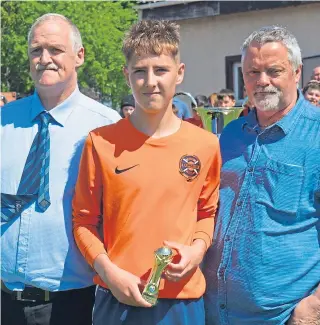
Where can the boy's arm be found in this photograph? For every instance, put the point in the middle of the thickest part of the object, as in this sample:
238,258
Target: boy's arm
87,202
191,256
125,287
87,216
208,200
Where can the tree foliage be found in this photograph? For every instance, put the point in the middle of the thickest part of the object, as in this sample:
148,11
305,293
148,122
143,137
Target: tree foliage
102,25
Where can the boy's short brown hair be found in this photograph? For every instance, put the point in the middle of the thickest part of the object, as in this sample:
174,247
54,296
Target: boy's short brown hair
225,93
152,37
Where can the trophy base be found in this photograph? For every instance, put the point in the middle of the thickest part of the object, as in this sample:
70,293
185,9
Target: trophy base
150,294
150,299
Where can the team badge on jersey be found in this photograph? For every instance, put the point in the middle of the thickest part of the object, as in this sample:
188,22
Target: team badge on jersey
189,167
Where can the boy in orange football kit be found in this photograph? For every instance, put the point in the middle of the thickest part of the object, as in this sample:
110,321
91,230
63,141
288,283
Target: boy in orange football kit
150,180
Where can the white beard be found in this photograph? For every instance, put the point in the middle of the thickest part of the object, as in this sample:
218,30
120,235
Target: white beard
268,102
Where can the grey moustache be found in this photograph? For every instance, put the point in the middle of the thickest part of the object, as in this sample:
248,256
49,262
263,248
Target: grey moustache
45,67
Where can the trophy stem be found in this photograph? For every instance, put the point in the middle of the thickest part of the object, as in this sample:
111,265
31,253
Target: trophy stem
163,256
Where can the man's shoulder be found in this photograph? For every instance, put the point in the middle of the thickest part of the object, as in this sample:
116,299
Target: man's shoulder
96,108
21,103
16,109
311,111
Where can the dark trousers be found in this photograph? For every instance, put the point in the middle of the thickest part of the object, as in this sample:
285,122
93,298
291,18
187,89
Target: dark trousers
108,311
73,307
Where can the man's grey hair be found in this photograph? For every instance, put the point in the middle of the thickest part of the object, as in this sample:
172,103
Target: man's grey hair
75,33
275,34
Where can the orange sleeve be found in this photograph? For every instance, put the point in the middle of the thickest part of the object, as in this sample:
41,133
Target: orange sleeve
208,200
87,202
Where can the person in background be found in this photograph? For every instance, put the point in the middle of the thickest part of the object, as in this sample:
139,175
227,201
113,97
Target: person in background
247,106
264,264
3,100
213,99
316,74
127,106
202,101
311,92
183,110
226,98
220,100
174,110
45,279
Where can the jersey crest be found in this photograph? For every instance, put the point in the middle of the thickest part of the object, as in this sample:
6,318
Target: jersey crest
189,167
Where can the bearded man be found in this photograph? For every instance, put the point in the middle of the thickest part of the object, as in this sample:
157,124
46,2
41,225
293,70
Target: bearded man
264,265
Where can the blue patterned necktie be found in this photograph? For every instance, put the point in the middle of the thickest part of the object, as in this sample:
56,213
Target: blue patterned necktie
34,184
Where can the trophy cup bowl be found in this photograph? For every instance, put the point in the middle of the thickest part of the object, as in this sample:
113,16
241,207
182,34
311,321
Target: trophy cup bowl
162,257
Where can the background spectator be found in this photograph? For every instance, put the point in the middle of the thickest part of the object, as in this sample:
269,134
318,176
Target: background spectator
226,98
202,101
316,74
174,109
247,107
213,99
183,110
246,104
127,106
311,92
3,100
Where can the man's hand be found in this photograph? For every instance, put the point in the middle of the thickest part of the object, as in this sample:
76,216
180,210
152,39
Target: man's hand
307,312
190,258
123,285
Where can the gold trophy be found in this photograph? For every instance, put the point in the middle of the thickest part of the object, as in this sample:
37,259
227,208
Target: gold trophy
163,256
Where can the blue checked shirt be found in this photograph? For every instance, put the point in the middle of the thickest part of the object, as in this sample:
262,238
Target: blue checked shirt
266,257
37,248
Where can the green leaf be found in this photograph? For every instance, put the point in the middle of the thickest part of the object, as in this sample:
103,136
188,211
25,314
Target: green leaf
102,25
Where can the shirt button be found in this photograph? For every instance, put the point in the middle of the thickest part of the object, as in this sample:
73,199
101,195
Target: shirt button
227,238
250,169
239,203
222,306
20,269
221,272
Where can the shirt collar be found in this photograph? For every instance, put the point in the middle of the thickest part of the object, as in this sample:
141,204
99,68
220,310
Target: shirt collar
290,119
286,123
61,112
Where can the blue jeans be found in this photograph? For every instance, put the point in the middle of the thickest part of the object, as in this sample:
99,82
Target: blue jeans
109,311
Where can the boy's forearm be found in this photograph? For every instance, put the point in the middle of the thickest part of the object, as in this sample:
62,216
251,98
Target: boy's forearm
201,246
204,231
88,242
102,265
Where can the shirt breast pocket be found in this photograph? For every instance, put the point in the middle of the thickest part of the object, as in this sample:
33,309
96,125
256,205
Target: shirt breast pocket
280,187
279,195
